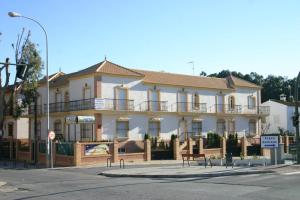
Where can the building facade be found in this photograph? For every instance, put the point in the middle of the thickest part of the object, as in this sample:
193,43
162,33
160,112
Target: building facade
280,118
107,101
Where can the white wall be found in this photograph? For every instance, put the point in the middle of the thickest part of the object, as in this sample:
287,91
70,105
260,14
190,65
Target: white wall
278,116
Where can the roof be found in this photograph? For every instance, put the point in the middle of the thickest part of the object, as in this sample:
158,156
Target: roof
242,83
287,103
152,77
183,80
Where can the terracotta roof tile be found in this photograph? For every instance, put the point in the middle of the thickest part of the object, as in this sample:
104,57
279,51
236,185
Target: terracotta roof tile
183,80
243,83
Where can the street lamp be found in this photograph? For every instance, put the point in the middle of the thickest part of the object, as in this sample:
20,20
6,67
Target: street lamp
15,14
296,118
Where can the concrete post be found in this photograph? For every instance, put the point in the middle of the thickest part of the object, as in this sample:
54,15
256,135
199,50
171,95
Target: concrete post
201,149
115,157
176,147
244,146
11,148
223,146
190,145
53,152
77,153
266,152
147,149
17,148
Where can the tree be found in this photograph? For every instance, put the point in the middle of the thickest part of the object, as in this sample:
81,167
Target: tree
21,94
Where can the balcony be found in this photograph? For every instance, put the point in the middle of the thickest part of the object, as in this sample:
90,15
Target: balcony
190,107
154,106
238,109
91,104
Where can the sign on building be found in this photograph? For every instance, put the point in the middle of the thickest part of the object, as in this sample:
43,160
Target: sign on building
269,141
85,119
71,119
99,104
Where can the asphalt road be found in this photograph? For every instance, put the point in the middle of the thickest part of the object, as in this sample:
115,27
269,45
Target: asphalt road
86,184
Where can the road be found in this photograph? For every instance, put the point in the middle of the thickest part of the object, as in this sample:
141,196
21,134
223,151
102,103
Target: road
86,184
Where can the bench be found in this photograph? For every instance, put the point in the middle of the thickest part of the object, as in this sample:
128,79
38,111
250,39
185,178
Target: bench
187,156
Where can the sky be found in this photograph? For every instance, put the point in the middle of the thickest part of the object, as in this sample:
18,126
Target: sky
240,35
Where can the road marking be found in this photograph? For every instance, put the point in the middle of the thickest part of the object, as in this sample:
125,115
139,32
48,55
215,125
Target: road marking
291,173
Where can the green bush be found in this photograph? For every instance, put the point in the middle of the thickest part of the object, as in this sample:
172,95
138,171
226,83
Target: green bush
213,140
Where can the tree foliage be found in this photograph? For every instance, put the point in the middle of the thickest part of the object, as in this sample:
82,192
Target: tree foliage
18,96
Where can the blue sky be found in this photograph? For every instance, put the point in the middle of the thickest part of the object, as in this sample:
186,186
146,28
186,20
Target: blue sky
240,35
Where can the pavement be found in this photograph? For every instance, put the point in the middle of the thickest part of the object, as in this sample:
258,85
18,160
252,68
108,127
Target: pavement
178,171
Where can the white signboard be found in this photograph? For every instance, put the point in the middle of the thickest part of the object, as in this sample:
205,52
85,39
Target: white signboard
99,104
85,119
269,141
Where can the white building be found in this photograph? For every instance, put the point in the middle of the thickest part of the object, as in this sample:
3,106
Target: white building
281,113
108,101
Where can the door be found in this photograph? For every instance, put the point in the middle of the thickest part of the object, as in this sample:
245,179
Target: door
221,127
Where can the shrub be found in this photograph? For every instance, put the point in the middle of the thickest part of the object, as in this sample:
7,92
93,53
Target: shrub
213,140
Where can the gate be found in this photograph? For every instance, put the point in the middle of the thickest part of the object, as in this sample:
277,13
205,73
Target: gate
162,150
4,150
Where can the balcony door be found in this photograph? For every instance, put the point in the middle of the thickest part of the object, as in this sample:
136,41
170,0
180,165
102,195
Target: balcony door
221,127
121,99
182,102
154,101
220,103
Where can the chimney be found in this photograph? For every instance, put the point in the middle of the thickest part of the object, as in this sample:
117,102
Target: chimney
283,97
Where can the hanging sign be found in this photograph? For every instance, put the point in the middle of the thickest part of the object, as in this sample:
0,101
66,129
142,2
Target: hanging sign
71,119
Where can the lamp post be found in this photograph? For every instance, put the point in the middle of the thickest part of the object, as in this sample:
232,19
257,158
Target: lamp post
296,118
15,14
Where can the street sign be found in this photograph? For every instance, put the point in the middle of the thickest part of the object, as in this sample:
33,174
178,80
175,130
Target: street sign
51,135
269,141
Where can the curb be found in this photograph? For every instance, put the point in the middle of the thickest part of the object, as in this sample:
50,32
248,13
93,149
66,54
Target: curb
205,175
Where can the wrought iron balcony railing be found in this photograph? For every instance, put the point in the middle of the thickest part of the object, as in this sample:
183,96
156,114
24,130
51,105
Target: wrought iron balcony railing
153,106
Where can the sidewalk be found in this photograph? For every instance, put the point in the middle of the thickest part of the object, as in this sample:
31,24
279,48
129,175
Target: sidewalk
184,172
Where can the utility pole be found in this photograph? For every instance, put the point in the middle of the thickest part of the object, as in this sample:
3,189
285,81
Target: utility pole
296,118
193,63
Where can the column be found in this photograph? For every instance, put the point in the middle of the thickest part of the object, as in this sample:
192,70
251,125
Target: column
77,153
200,144
176,152
244,146
223,146
115,157
147,149
98,127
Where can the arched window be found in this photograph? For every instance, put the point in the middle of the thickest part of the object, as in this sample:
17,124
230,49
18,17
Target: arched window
231,102
251,102
252,127
87,91
196,103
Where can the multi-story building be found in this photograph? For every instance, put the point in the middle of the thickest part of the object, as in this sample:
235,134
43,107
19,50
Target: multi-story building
108,101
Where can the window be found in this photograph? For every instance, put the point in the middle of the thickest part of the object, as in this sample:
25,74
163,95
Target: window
197,128
221,127
252,127
251,102
10,129
231,127
86,132
122,129
58,130
154,128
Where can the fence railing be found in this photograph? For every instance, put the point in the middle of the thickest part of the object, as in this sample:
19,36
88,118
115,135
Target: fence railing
153,106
